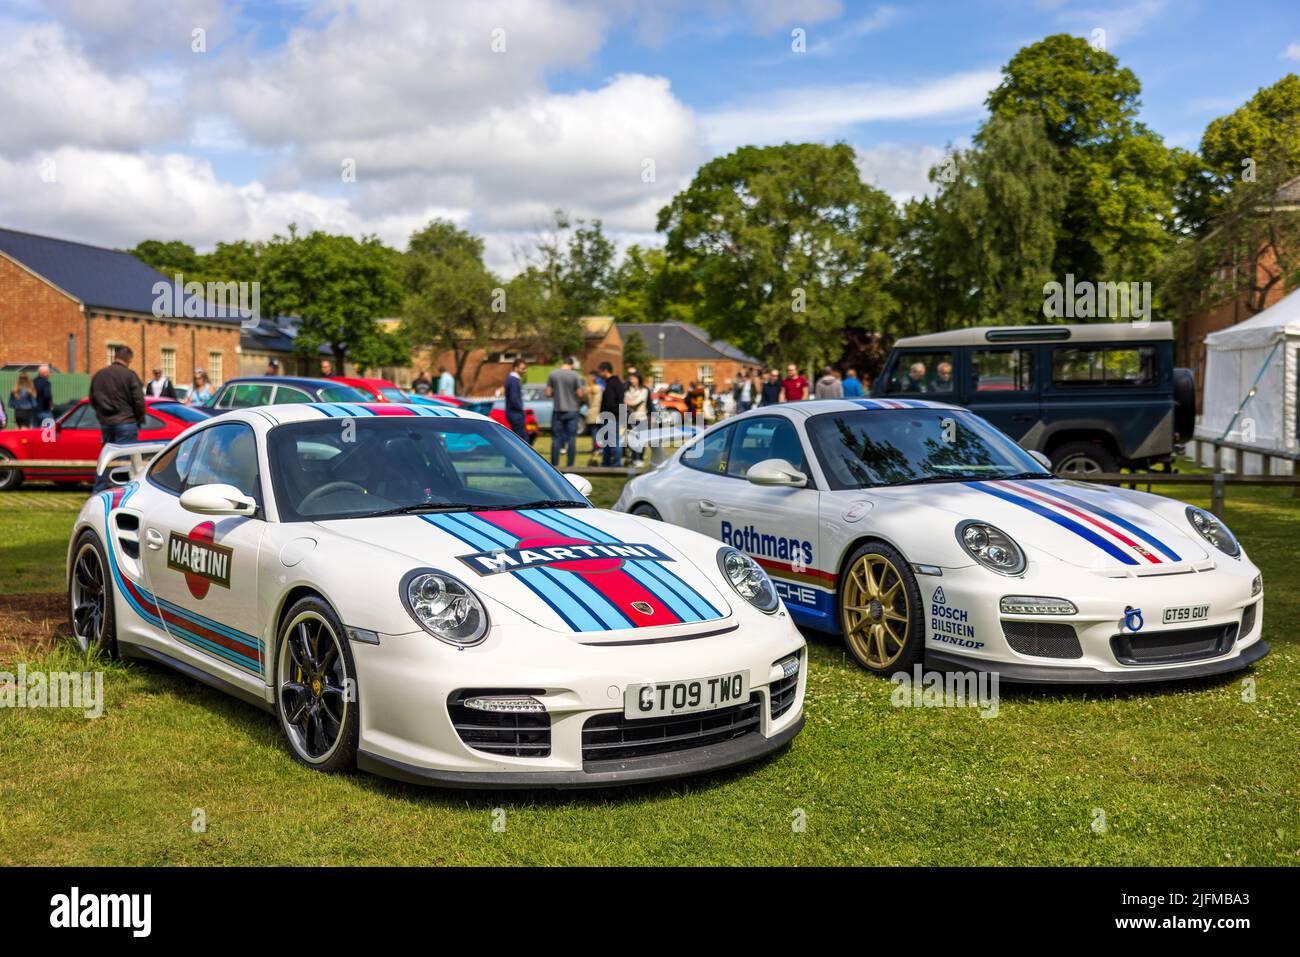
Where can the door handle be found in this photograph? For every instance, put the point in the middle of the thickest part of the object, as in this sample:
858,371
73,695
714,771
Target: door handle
707,508
153,538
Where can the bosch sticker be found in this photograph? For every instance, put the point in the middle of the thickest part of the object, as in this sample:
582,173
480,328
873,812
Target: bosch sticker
951,624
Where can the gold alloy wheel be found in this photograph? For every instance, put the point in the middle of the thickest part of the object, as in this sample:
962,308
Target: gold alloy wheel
875,610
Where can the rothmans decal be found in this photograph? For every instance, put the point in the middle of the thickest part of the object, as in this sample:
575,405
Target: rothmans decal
515,559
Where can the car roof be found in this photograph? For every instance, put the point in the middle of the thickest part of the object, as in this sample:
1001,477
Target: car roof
1062,333
281,380
315,411
811,407
368,380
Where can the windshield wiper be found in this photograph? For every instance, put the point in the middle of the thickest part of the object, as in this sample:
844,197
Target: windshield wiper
415,509
540,503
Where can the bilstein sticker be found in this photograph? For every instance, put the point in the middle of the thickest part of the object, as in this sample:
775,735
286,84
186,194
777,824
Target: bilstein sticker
951,624
203,562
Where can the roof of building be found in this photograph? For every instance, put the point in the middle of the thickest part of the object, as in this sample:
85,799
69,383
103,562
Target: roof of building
274,335
683,341
107,279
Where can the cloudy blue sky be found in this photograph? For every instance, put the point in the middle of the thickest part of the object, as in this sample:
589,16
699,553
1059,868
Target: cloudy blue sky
115,129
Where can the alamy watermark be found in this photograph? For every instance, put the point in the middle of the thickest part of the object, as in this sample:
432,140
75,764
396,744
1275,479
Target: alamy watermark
1082,299
952,689
179,299
80,690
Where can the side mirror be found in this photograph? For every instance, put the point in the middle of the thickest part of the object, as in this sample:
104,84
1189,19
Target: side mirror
580,483
217,500
1041,459
776,472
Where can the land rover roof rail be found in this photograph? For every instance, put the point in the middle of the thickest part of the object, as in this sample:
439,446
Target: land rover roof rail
1074,332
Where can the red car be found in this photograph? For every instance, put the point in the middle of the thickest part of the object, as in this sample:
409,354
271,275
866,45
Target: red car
76,436
381,390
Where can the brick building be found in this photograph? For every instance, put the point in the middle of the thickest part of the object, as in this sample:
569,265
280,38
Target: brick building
70,304
683,353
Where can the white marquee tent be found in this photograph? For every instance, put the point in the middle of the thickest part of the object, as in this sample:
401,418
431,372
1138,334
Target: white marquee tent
1261,354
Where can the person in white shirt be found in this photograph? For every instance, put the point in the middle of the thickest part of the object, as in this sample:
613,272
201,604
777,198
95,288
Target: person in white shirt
160,387
446,382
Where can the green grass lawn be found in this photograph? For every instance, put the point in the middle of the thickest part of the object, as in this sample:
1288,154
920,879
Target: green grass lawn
1186,774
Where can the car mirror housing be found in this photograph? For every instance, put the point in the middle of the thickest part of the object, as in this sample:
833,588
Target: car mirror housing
580,483
777,472
217,500
1040,458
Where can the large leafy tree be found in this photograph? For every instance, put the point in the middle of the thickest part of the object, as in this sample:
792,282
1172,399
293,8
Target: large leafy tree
1120,177
1238,148
338,286
786,246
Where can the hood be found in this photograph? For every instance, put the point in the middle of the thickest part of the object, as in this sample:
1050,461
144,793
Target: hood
579,571
1110,531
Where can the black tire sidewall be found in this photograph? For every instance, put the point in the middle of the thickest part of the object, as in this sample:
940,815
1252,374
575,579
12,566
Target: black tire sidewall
108,644
1098,453
914,648
10,479
647,511
344,757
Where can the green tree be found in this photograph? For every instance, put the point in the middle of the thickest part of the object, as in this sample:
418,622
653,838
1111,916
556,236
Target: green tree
636,354
786,246
1118,209
338,286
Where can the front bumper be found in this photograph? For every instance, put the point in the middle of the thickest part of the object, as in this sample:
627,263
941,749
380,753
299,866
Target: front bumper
966,629
409,731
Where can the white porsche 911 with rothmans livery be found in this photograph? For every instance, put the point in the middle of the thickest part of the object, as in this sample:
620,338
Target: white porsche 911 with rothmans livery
414,591
915,529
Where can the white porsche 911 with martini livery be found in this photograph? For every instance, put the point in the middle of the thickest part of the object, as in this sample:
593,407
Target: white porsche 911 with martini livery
414,591
915,529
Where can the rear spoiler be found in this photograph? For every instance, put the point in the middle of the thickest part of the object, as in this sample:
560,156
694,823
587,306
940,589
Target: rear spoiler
139,454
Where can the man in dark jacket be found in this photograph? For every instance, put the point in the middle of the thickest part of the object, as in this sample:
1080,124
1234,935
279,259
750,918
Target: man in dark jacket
611,402
117,396
515,416
44,396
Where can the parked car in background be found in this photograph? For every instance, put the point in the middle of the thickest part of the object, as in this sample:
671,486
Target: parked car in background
248,391
482,407
375,390
1093,398
76,437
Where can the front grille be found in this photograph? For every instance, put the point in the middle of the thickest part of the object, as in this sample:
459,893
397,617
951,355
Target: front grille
1248,620
1183,644
781,692
515,735
611,736
1042,639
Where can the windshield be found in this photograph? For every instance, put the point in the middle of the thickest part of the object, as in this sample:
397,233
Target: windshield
392,395
342,393
873,448
347,468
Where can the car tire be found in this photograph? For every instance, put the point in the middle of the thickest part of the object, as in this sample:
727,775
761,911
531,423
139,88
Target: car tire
881,615
647,511
91,613
316,697
10,479
1078,460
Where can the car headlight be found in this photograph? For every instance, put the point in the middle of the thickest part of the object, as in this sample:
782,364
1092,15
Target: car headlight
1213,531
991,547
444,607
748,579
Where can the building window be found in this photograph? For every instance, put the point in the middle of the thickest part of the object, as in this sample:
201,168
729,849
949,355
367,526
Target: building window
656,374
214,368
112,352
169,364
706,373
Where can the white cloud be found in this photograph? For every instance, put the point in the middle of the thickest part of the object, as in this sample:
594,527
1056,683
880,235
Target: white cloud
900,171
52,95
816,113
1292,51
768,15
1120,23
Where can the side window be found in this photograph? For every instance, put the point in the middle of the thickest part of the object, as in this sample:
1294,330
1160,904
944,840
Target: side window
1002,370
82,418
286,394
169,468
917,373
246,394
1103,366
710,453
226,455
152,422
764,438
